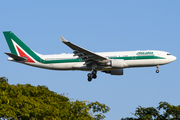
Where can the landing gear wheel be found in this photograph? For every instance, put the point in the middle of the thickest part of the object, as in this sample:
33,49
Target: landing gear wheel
89,75
157,71
94,76
94,72
89,79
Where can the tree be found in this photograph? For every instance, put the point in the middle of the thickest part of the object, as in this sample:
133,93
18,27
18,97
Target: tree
164,111
31,102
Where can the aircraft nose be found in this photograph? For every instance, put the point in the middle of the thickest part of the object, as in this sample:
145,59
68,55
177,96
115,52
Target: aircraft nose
174,58
171,58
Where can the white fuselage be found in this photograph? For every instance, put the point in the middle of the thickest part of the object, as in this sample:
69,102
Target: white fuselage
138,58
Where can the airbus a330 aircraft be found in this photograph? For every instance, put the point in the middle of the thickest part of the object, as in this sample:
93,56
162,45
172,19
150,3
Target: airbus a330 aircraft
109,62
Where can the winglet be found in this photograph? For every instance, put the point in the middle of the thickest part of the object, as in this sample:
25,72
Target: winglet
63,39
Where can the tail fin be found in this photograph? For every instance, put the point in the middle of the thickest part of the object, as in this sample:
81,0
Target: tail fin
18,48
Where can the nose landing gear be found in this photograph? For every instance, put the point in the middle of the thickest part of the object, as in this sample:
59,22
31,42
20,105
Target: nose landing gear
157,71
92,75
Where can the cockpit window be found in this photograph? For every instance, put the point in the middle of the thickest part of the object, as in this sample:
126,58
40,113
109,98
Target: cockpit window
168,54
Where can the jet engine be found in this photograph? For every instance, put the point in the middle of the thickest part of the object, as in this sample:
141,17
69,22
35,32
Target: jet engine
117,63
114,72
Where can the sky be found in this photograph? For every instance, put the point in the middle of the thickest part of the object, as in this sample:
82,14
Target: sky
99,26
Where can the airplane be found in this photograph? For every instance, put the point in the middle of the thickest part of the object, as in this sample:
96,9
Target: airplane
109,62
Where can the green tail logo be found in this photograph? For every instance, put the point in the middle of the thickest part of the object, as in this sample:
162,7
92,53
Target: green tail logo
17,47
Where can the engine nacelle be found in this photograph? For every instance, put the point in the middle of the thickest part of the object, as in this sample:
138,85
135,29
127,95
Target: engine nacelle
114,72
116,63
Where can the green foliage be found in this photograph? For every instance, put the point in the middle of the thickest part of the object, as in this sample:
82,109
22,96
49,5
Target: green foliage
31,102
164,111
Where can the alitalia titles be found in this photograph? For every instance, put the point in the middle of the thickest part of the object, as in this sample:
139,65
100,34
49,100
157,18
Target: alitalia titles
144,53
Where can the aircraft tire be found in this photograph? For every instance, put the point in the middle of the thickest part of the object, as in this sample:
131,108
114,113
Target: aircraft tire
94,72
157,71
89,79
94,76
89,75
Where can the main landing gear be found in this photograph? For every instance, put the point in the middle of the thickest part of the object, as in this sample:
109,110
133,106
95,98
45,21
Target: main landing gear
157,71
92,75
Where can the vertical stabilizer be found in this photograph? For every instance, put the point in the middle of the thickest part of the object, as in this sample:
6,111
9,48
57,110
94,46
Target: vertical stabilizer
18,48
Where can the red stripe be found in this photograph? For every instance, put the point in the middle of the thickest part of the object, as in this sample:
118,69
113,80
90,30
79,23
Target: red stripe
22,54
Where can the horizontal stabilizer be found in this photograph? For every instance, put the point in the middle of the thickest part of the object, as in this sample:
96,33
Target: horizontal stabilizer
15,57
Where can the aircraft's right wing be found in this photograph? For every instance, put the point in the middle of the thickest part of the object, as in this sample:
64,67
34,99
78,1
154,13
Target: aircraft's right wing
85,55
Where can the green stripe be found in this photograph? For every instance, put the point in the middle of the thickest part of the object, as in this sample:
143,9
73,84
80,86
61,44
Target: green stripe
61,61
125,58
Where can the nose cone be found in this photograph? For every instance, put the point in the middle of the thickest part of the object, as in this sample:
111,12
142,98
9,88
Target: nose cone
173,58
170,59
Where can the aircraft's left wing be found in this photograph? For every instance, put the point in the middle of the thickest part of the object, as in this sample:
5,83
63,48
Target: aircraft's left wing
83,54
